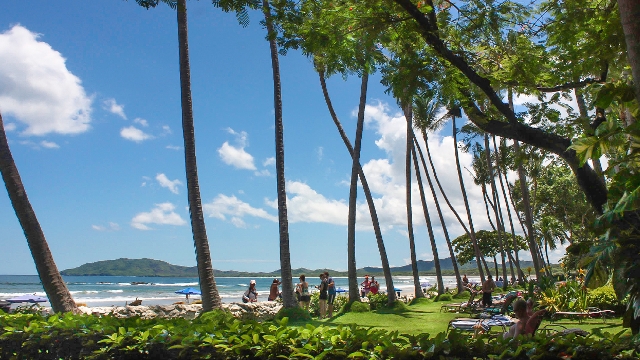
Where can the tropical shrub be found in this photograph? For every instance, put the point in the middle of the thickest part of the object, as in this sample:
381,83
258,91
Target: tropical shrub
462,295
358,306
567,296
443,297
377,301
605,298
216,336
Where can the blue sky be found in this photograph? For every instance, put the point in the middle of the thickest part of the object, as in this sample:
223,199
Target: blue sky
90,97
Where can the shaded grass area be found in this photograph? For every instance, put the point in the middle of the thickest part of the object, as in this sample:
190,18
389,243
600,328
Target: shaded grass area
424,316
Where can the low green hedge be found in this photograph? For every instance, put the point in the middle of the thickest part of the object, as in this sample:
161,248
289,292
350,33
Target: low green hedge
216,335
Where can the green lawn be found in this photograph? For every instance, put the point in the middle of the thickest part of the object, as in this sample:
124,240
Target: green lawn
425,317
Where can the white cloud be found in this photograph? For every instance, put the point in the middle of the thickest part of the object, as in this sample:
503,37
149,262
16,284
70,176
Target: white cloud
263,172
141,121
174,147
224,206
49,144
134,134
113,107
162,214
37,88
306,205
236,156
269,161
9,127
166,130
320,153
172,185
110,227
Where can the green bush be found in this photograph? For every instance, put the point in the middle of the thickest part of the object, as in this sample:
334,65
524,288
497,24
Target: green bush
415,301
377,301
216,336
358,307
605,298
296,313
462,295
443,297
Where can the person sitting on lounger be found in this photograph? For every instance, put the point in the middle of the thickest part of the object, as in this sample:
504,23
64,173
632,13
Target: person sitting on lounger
520,309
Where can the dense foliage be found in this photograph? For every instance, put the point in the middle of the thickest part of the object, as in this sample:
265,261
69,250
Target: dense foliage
216,335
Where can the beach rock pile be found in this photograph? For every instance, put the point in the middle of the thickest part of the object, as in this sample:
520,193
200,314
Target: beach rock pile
260,311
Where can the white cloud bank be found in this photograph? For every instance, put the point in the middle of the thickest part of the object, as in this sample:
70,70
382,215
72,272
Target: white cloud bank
37,88
110,227
164,181
236,156
162,214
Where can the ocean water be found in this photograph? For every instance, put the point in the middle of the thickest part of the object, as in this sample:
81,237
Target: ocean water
118,290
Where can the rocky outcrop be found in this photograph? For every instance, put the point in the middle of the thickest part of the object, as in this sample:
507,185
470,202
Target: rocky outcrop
260,311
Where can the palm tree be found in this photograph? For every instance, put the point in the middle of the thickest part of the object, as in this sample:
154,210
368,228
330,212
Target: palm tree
285,255
53,284
496,209
424,115
210,296
472,233
353,191
391,294
427,218
412,244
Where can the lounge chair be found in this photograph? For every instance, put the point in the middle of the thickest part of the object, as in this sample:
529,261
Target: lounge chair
501,308
591,312
460,307
479,325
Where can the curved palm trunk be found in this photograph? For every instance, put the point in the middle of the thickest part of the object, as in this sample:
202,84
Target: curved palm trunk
412,244
210,296
528,217
472,232
288,298
53,284
454,262
353,191
386,269
496,210
513,230
427,218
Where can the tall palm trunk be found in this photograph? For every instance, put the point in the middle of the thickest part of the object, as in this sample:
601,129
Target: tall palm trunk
210,296
496,209
53,284
526,204
412,244
629,14
283,222
454,262
353,192
513,231
472,232
386,269
427,218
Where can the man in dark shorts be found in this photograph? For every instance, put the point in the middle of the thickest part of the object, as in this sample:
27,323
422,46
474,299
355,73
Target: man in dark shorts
331,292
487,288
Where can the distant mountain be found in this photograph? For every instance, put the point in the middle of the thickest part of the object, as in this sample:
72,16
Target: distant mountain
151,267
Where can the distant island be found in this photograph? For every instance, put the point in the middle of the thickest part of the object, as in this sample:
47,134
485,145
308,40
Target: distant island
150,267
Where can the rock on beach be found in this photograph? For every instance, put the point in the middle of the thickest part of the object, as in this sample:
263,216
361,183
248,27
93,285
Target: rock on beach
260,311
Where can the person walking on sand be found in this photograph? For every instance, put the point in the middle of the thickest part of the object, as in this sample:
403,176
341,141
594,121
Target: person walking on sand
331,292
322,300
274,293
487,288
251,295
303,290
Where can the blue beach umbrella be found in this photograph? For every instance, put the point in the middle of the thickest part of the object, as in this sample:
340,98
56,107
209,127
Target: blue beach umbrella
189,291
28,298
340,290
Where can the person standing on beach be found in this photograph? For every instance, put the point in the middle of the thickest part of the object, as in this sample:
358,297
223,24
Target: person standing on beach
303,290
273,291
322,300
251,295
487,288
331,292
366,286
374,286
